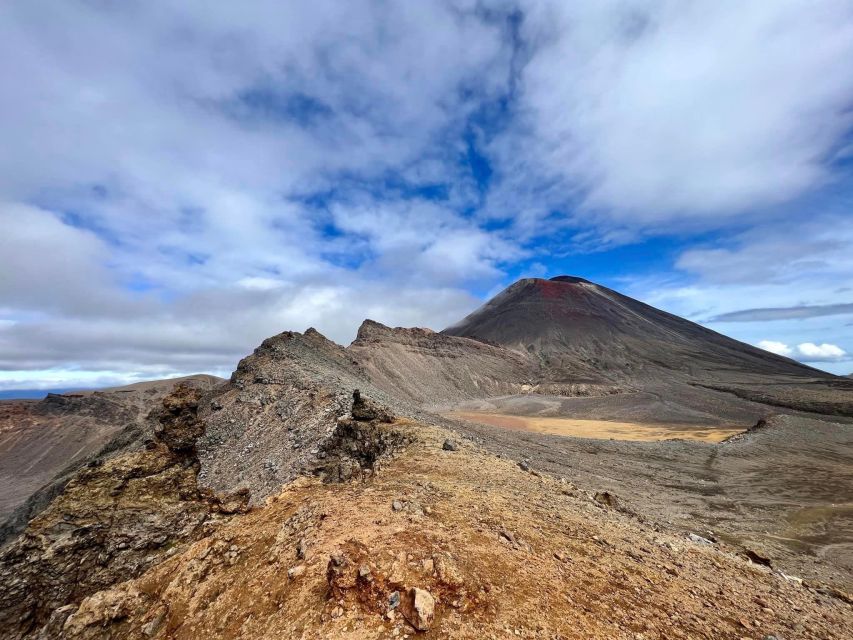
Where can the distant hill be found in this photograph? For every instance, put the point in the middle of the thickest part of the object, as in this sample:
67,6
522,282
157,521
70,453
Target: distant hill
40,394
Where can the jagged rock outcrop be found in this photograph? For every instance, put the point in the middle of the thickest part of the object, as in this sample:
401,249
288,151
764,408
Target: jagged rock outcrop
43,443
270,423
178,423
113,520
366,410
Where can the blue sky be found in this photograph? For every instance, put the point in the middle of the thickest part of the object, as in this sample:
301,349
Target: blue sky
179,181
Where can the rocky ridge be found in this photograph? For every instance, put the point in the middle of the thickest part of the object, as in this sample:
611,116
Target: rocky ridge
114,520
42,443
268,424
365,517
435,370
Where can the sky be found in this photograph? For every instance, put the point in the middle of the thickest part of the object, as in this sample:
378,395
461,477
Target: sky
180,180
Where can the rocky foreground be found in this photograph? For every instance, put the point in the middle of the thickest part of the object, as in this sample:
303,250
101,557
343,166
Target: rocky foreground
401,529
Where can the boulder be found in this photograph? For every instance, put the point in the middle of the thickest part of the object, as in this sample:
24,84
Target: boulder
418,608
698,539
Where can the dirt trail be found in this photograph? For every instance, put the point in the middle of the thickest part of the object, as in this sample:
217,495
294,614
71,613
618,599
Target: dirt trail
503,552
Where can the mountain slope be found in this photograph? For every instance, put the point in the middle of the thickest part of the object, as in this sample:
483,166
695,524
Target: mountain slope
431,368
585,332
284,504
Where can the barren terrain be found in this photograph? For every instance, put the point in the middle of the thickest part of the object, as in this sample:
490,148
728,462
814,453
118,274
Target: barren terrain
600,429
501,552
43,441
565,463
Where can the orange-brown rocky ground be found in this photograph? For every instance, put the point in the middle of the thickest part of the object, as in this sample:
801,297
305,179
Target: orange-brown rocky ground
504,553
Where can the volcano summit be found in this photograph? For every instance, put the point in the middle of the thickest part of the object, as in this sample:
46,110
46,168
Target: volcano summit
584,331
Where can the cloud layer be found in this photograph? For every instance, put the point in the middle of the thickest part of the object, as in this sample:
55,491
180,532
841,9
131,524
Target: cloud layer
786,313
639,111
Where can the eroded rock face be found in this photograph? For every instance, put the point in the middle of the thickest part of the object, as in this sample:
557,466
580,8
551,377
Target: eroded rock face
269,424
359,442
366,410
112,522
179,425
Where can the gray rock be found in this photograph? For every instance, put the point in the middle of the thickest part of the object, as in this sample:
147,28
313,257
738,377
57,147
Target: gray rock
150,628
450,445
53,628
698,539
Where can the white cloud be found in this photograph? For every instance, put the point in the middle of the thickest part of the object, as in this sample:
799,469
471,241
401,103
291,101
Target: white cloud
641,113
260,284
170,148
63,379
211,330
793,270
806,351
779,348
814,247
47,265
811,352
426,240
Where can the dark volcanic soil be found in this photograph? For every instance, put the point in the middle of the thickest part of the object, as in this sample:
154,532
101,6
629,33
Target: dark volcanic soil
583,331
